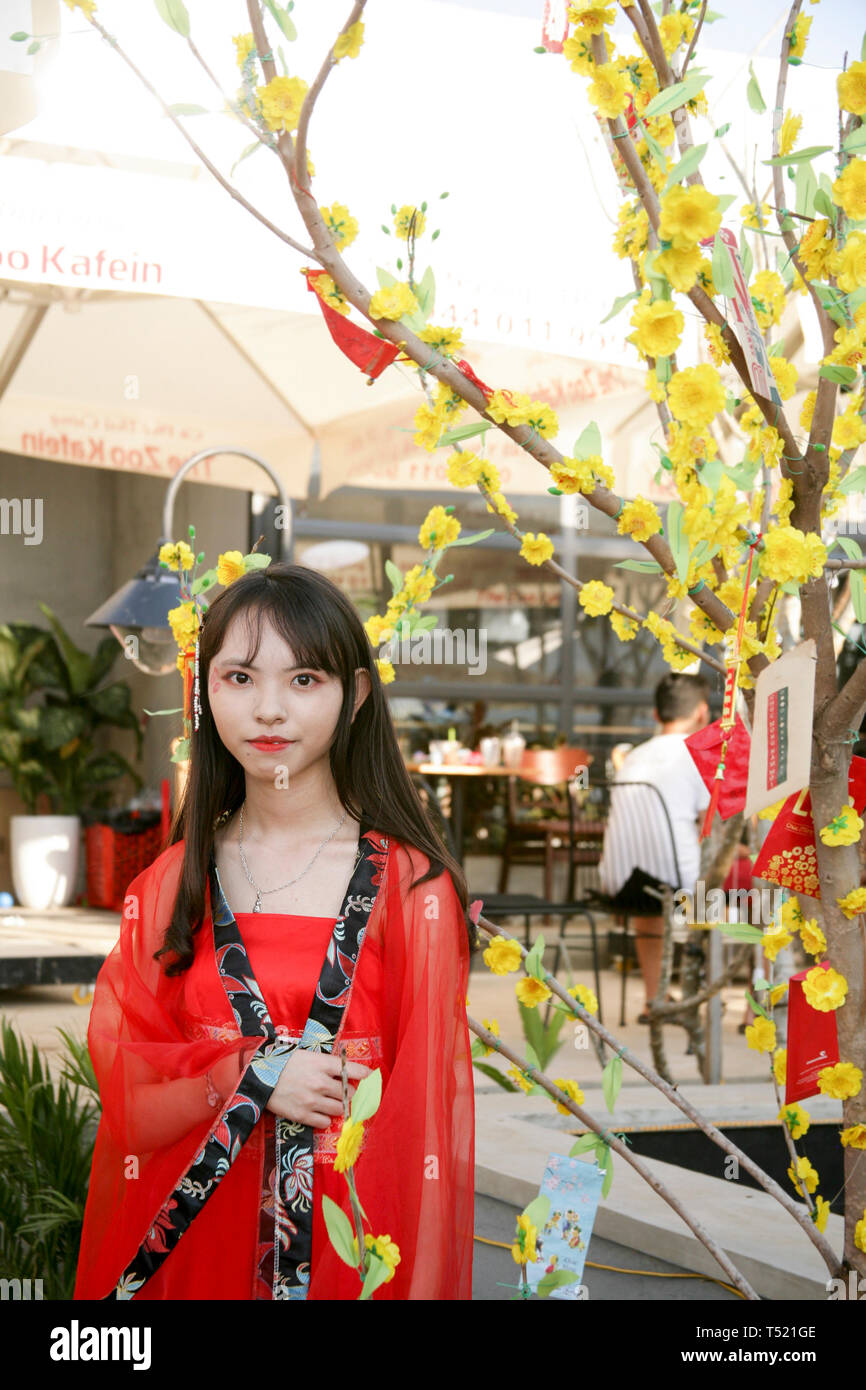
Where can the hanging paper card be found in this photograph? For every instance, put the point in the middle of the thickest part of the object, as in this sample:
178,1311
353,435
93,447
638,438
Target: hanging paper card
554,29
741,314
788,855
573,1187
705,748
781,753
812,1041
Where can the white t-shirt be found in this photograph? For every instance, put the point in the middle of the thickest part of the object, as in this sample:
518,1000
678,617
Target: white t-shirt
637,835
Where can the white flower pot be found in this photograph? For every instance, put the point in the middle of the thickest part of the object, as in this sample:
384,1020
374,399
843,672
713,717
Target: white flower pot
45,858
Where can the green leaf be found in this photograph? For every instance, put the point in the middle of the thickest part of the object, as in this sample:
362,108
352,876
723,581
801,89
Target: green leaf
725,200
19,36
245,154
855,481
753,93
464,432
611,1081
78,663
425,293
583,1145
856,141
204,581
470,540
654,147
858,594
678,94
154,712
677,539
805,187
722,271
822,203
619,304
174,13
607,1165
538,1210
181,752
556,1279
339,1229
744,474
740,931
256,560
186,108
367,1097
798,156
282,18
850,547
385,278
723,129
746,258
395,577
496,1075
838,372
639,566
756,1007
589,443
687,165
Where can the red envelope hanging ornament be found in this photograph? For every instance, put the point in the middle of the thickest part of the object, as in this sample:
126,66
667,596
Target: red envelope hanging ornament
788,855
812,1041
364,349
727,735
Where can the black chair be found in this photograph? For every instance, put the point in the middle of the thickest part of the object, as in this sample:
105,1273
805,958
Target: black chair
529,905
640,820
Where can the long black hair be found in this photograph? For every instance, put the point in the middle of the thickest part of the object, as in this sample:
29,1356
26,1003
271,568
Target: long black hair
324,632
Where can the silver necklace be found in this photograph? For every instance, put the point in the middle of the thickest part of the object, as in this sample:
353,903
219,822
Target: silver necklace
265,891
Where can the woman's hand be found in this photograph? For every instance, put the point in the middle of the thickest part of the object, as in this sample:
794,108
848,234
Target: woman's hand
310,1088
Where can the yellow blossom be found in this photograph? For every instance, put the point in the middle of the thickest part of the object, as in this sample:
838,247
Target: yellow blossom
860,1233
585,996
822,1211
768,297
595,598
844,829
715,342
348,1144
808,410
281,101
761,1035
177,556
403,221
501,506
589,16
696,395
608,90
492,1026
343,227
849,190
625,628
824,989
849,263
536,549
789,132
799,36
378,629
438,529
789,554
841,1081
244,46
464,469
386,671
572,1090
639,519
675,29
807,1175
183,622
428,425
384,1247
854,1136
393,302
786,376
445,340
349,43
509,407
817,248
796,1119
658,327
851,87
230,566
503,955
680,265
327,290
754,220
519,1079
813,939
780,1058
523,1248
85,6
531,991
688,215
853,902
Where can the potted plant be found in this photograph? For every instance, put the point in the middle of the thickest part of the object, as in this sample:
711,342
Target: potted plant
52,703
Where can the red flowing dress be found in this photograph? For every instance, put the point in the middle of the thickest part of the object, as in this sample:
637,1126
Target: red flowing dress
405,1016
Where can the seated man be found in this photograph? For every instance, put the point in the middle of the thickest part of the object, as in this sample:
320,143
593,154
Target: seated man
637,848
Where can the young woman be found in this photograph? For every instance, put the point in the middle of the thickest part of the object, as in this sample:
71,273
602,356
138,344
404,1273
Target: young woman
304,911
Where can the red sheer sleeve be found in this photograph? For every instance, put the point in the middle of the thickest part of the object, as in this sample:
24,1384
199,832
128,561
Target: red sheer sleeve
152,1076
415,1173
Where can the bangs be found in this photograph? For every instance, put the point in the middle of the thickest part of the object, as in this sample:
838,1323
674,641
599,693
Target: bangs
296,624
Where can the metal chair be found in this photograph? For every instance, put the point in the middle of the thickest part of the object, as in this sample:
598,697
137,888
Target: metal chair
641,824
529,905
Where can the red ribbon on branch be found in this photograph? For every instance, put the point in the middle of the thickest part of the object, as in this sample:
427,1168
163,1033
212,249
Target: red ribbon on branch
363,349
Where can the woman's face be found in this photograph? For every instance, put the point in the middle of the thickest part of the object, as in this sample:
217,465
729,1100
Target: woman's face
273,699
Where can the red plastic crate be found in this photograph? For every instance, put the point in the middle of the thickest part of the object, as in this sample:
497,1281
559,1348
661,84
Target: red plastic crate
114,859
